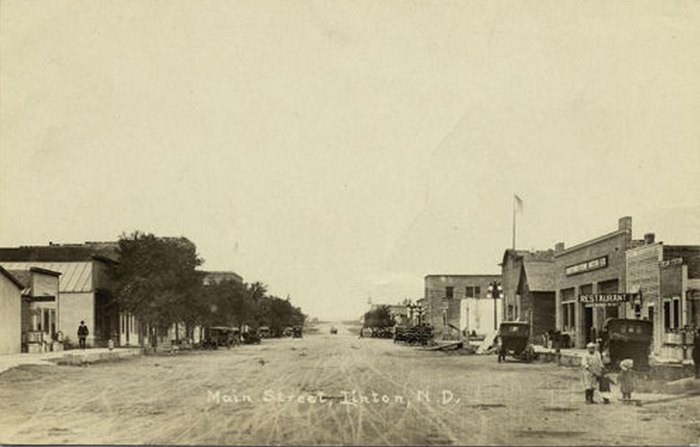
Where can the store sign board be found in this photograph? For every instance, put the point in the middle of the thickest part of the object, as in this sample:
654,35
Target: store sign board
671,262
587,266
609,299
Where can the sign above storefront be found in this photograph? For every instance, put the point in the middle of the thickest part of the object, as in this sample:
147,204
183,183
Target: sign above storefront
608,299
671,262
582,267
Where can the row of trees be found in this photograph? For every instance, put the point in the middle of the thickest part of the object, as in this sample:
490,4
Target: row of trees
158,281
379,317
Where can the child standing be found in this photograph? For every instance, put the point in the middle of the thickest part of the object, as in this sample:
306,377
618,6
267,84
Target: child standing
604,382
626,380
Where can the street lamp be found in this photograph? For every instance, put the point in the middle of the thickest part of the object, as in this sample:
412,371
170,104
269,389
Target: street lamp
495,292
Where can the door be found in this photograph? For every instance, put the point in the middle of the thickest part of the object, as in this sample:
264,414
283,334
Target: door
588,323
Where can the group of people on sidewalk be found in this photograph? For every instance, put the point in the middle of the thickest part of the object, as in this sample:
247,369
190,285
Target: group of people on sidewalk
596,374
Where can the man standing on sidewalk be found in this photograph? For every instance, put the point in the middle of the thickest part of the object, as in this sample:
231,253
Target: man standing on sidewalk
83,332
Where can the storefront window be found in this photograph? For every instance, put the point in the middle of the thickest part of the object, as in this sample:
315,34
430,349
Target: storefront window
694,314
676,314
568,317
672,314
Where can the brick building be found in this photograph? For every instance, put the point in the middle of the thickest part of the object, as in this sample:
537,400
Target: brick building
590,281
449,298
217,277
528,289
667,277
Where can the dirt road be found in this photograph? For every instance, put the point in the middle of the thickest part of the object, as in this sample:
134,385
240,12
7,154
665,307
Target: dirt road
327,389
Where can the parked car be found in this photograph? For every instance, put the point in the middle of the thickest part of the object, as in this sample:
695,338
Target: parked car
250,338
627,339
264,332
296,332
514,340
217,336
334,330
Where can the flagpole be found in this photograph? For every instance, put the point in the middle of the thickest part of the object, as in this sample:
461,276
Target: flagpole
514,208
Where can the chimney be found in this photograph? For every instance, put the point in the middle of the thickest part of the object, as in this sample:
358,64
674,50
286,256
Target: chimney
649,238
558,247
625,223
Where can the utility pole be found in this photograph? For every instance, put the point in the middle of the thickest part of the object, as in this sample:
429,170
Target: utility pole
495,292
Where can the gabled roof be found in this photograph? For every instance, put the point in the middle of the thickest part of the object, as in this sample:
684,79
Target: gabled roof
12,278
537,255
539,275
25,277
75,276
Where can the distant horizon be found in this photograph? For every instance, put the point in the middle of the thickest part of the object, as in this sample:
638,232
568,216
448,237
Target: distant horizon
383,299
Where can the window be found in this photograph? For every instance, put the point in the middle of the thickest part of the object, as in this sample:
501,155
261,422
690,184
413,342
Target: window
473,292
676,314
568,317
672,314
449,292
694,313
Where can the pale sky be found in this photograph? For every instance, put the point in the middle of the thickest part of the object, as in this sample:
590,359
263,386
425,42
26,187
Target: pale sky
336,150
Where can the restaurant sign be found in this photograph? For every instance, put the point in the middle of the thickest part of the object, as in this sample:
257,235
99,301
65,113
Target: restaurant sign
593,264
608,299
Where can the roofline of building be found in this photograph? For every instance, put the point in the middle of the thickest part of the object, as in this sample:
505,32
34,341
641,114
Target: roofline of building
592,242
690,246
45,271
104,259
12,278
222,272
435,275
522,254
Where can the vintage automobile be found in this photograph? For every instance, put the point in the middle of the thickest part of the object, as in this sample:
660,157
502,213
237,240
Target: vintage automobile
217,336
334,330
264,332
250,338
288,332
514,340
296,332
627,339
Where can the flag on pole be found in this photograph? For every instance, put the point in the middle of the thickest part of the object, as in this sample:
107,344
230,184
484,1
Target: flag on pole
518,204
517,208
